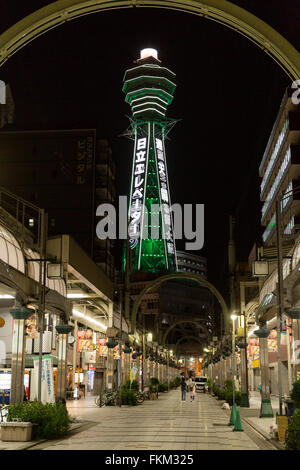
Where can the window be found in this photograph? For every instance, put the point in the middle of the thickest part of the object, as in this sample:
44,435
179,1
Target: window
275,154
276,184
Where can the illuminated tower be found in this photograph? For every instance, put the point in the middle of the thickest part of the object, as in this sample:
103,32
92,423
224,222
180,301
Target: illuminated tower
149,89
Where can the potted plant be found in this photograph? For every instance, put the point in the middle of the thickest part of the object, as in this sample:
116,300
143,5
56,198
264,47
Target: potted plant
292,435
295,395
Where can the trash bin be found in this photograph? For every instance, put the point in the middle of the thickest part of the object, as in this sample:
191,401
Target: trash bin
282,423
289,407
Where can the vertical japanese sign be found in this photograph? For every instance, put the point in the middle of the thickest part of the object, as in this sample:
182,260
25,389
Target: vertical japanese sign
84,159
47,390
165,199
138,191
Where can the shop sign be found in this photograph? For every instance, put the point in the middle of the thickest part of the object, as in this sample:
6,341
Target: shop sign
253,348
31,327
272,341
71,339
102,348
5,383
90,357
85,341
255,364
117,352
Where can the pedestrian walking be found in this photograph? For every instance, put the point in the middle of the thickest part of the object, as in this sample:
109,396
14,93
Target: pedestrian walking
183,390
192,392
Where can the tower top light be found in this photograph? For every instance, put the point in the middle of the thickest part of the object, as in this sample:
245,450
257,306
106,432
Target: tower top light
149,53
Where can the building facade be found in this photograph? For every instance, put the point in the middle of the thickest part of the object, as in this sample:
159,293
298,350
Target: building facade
69,173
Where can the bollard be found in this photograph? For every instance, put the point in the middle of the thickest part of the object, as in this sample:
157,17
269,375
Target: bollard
238,422
233,415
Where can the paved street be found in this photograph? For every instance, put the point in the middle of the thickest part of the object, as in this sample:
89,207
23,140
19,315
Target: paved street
166,424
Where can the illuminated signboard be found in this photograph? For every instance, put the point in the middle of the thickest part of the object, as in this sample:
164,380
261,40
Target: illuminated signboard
165,198
138,190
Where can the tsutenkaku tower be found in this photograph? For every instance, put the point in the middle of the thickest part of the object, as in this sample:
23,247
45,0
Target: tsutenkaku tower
149,89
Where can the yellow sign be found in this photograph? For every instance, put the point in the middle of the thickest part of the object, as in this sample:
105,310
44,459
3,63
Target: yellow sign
255,363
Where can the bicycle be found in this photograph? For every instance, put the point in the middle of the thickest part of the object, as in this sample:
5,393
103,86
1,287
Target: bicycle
107,399
140,396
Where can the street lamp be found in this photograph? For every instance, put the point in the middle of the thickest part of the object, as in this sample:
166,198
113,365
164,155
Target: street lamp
233,318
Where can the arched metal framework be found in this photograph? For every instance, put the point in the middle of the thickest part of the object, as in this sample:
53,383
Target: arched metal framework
186,337
168,277
195,322
221,11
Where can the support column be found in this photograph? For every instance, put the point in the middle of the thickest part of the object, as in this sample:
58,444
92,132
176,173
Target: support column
110,369
221,372
126,366
228,368
74,354
63,331
244,388
110,353
19,315
244,360
266,410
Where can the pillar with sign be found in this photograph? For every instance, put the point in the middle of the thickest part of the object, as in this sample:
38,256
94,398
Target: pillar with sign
149,89
19,314
63,331
266,410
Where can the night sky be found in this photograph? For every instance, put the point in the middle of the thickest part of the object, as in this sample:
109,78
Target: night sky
227,98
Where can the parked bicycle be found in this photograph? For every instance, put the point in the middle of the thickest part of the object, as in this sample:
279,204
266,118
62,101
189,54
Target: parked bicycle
107,399
140,396
113,398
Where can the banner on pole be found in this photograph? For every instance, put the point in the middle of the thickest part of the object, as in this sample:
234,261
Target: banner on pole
47,388
133,372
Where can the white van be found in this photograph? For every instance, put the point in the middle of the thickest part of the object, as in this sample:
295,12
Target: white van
200,384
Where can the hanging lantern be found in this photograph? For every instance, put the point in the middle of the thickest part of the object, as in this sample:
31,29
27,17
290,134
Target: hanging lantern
111,344
262,333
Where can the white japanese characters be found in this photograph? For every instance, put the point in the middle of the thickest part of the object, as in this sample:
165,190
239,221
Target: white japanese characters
165,201
138,190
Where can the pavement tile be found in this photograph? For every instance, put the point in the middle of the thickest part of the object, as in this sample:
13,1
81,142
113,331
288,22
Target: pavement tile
165,424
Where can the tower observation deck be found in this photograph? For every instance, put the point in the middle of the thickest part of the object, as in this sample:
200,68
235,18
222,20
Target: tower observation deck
149,90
